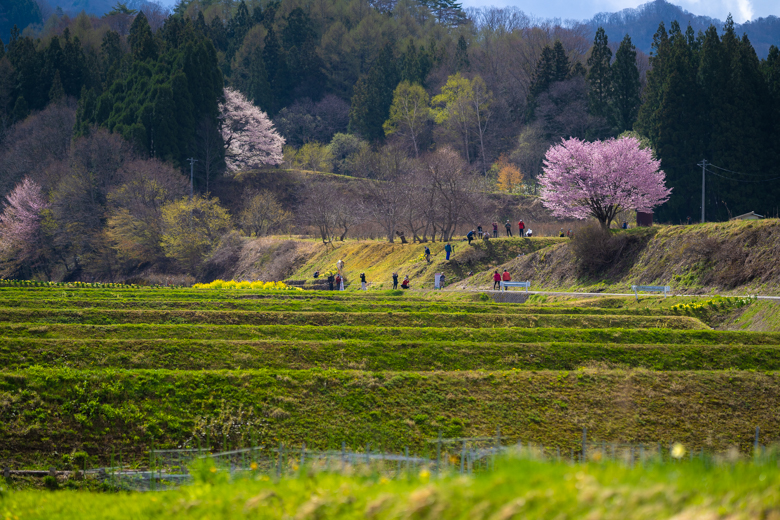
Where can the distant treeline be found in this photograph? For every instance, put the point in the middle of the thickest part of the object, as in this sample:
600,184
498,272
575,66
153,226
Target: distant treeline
492,84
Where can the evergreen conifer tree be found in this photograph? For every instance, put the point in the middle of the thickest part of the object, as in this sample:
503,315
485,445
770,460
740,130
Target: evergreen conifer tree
544,73
373,96
671,118
141,41
624,94
462,55
275,62
21,110
599,75
56,93
561,63
85,111
259,89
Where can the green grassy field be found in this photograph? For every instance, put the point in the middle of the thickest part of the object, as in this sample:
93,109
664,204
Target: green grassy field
524,488
117,372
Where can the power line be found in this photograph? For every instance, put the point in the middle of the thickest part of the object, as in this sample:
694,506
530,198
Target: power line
740,180
739,173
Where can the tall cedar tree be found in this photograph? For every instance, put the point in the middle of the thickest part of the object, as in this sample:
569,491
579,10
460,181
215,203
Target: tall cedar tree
373,95
300,42
599,75
141,40
671,118
544,73
159,103
275,61
624,94
462,62
738,123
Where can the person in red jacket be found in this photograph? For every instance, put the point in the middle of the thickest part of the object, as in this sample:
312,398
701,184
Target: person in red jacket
506,277
521,228
496,280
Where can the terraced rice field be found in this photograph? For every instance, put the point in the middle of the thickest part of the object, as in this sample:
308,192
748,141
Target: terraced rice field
118,371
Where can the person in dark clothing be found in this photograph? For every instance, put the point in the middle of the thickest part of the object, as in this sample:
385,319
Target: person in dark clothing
479,231
427,255
316,274
363,281
448,250
508,227
470,236
495,229
395,281
331,279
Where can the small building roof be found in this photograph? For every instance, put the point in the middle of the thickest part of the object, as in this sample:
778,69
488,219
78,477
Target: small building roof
749,216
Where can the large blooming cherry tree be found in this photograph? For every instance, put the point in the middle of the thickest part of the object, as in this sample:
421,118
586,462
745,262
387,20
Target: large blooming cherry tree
601,179
251,141
20,226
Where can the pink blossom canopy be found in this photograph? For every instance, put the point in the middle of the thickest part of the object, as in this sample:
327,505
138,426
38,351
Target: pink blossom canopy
21,220
250,138
601,178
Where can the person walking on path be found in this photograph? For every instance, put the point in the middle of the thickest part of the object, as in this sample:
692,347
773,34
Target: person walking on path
506,277
521,228
508,227
395,281
470,236
362,281
496,280
495,229
448,250
427,255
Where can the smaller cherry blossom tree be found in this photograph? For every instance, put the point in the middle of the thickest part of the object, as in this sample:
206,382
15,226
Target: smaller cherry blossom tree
20,226
601,179
250,138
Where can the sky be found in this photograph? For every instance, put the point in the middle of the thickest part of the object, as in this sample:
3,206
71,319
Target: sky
741,10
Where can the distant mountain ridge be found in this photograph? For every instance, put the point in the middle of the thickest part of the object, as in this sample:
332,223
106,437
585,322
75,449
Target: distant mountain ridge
642,22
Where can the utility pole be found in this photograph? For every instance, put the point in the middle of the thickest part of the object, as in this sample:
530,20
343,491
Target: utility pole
192,161
703,165
192,178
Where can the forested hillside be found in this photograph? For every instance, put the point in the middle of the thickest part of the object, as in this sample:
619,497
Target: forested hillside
435,120
641,23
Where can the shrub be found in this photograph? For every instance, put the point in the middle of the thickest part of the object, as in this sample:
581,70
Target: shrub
50,483
193,228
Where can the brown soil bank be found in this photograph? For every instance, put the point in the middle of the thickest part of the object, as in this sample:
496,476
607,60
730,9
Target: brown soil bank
734,257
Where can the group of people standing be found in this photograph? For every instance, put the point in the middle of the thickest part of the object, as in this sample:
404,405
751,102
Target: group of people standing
500,277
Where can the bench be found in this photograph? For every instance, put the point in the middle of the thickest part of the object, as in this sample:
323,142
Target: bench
650,288
505,285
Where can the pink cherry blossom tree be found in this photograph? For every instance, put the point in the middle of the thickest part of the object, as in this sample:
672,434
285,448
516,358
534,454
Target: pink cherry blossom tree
250,138
20,225
601,178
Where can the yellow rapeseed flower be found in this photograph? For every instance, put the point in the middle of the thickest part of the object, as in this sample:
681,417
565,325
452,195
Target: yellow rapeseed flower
678,451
